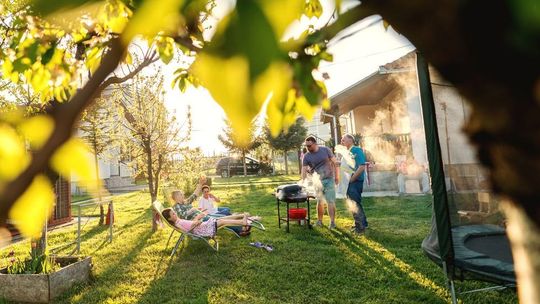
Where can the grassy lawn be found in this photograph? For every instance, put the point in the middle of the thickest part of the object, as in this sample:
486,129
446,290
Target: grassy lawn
253,181
315,266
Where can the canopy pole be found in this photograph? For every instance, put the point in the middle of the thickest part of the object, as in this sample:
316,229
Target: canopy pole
436,167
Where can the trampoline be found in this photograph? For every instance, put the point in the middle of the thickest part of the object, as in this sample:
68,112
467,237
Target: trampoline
468,236
481,252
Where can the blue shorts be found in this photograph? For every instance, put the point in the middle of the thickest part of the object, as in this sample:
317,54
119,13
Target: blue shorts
329,190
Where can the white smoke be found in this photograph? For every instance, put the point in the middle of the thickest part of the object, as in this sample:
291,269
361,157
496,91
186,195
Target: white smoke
351,205
345,158
313,185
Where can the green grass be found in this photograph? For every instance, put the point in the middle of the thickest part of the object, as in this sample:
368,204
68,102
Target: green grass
315,266
256,181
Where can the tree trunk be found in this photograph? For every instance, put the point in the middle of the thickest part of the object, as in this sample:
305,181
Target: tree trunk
299,161
149,173
244,162
273,162
524,236
286,162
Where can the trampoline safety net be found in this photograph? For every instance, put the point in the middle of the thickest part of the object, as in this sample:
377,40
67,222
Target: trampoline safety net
476,242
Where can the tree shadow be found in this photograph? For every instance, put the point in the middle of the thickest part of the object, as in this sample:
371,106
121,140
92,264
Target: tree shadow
107,279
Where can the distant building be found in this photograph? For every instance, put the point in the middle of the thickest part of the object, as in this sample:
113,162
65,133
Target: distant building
114,170
318,128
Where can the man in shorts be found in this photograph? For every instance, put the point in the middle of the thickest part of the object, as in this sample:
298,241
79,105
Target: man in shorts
321,163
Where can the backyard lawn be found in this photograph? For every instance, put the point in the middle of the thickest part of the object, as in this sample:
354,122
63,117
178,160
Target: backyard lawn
315,266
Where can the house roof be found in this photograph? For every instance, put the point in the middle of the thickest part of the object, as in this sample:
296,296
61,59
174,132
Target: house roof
369,90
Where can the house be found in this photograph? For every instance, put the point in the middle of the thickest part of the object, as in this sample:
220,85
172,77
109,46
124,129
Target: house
384,109
114,171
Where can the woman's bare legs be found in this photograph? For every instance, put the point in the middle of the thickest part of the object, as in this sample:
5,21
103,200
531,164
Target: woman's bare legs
232,222
237,216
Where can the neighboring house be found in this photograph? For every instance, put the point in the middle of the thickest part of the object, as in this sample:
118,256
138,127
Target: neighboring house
317,128
385,109
114,171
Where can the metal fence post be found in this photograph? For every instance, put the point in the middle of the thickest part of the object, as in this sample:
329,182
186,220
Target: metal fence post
79,229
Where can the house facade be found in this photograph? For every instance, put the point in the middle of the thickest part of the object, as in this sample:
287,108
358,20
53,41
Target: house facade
384,111
114,171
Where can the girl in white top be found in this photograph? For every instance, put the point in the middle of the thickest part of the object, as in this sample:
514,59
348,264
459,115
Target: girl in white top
207,203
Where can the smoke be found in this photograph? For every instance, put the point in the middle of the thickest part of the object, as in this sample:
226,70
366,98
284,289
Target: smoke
391,124
345,157
313,186
351,205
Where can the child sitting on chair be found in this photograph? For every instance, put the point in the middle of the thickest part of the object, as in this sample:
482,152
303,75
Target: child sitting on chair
207,203
199,227
183,207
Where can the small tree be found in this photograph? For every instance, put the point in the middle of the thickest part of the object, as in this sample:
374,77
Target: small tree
234,144
152,137
98,125
187,169
287,141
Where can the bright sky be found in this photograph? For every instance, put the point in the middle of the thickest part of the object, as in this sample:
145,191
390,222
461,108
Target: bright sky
367,46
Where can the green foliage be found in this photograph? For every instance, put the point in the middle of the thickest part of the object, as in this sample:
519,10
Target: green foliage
99,125
183,79
151,136
36,264
313,8
46,7
54,48
234,143
288,140
186,170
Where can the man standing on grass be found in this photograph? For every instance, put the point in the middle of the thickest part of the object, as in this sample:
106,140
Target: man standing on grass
356,183
321,160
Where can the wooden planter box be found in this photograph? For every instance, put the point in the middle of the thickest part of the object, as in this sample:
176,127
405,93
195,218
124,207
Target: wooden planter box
42,288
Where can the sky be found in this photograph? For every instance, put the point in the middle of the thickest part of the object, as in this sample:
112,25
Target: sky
358,51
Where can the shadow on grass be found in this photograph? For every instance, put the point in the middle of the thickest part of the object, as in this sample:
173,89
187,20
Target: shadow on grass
108,279
193,267
390,263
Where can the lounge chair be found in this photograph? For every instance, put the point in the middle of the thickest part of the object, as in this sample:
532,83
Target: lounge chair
212,242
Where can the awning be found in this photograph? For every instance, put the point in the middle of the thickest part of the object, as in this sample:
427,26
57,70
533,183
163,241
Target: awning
368,91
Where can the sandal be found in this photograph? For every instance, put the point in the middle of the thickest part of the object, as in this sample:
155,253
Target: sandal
267,247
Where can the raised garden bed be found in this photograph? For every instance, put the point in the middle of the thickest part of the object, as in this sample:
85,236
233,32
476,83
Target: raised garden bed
42,288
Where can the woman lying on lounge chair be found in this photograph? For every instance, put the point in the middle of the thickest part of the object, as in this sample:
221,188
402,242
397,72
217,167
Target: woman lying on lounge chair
202,228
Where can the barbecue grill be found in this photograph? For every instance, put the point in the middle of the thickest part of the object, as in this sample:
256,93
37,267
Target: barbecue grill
292,194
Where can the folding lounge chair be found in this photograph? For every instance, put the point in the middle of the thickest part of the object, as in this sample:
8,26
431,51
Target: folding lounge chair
212,242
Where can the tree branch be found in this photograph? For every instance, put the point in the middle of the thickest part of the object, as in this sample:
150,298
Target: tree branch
115,79
65,116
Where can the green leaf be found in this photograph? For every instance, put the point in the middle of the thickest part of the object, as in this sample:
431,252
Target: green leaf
47,56
313,8
165,47
152,18
21,64
282,13
250,34
47,7
34,207
32,51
